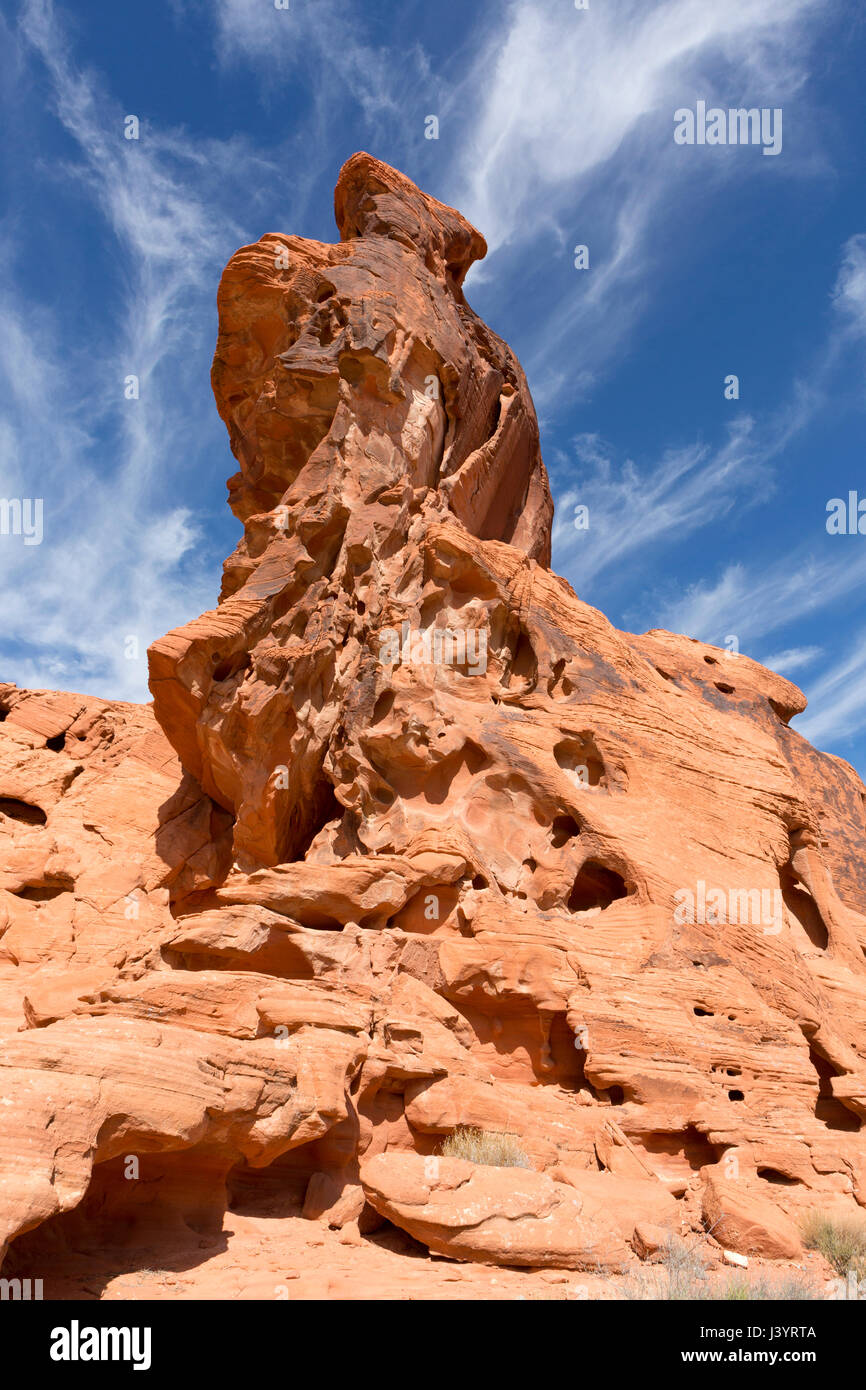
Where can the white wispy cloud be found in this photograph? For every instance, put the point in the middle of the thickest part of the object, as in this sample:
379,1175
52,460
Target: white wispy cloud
109,567
760,598
556,124
325,40
849,294
791,659
122,556
756,600
564,120
632,509
569,124
837,708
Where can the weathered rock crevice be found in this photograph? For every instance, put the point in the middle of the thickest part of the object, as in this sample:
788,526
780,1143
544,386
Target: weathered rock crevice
412,840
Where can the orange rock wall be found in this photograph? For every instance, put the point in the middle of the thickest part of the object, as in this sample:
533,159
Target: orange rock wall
350,884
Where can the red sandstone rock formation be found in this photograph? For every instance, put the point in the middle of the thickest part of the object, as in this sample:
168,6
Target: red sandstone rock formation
350,885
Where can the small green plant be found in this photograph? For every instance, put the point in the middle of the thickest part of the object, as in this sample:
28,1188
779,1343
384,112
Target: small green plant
488,1147
840,1239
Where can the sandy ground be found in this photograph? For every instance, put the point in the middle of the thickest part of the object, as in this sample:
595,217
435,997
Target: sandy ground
272,1256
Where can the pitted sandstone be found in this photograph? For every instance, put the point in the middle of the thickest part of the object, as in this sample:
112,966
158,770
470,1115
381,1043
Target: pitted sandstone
324,903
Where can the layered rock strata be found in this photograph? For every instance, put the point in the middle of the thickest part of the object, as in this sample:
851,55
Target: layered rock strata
412,839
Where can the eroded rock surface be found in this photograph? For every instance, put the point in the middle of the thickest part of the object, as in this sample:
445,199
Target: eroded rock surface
412,838
503,1216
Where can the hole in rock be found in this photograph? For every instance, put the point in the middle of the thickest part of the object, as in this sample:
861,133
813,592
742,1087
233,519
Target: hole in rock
563,829
725,689
558,679
56,743
828,1109
568,1059
157,1220
4,712
614,1094
458,768
704,1013
711,660
677,1155
450,774
44,892
22,811
579,756
736,1095
306,820
596,886
311,917
479,882
276,1190
279,1189
466,578
383,706
524,663
298,626
778,1178
240,661
803,908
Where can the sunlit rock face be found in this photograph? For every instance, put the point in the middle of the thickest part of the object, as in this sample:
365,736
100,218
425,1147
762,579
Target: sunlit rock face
414,839
374,418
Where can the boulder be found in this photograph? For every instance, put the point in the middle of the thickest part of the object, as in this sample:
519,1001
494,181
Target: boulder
503,1216
747,1223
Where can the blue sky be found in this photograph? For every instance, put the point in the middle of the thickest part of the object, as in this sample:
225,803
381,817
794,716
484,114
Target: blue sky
707,515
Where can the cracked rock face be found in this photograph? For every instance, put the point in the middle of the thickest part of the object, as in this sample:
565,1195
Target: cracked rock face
412,838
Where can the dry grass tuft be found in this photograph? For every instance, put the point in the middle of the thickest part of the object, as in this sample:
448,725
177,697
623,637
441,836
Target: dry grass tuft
487,1147
840,1239
682,1275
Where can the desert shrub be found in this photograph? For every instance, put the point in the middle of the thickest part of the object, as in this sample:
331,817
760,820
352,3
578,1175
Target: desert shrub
787,1288
488,1147
840,1239
686,1269
682,1275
